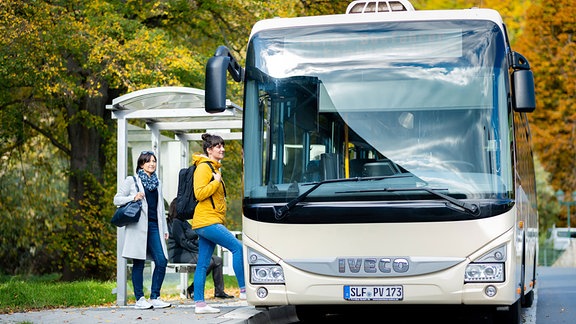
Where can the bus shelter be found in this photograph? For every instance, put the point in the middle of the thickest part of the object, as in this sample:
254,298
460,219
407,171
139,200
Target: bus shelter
168,121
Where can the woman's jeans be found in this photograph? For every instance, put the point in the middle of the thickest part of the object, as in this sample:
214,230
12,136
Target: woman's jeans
154,248
209,236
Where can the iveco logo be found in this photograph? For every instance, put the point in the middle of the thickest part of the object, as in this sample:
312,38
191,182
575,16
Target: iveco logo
373,265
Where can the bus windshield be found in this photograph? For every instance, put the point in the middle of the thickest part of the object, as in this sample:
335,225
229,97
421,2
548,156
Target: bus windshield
410,105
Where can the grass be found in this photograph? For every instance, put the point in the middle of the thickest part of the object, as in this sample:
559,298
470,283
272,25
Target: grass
29,293
25,293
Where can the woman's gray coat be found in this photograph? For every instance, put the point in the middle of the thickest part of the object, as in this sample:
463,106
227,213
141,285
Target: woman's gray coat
135,235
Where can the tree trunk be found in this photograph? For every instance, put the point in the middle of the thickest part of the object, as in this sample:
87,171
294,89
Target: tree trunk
87,163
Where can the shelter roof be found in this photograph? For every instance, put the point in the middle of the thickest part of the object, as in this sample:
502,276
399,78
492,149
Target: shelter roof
178,109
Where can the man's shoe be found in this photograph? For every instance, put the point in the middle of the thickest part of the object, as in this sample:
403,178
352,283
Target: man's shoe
159,303
223,295
243,296
190,291
142,303
206,310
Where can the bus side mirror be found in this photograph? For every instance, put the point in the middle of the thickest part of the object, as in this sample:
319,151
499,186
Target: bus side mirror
215,84
523,93
524,98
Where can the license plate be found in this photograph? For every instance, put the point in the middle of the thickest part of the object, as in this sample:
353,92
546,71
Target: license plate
373,293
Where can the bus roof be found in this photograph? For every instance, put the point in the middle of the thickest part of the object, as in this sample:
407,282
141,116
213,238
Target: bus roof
418,15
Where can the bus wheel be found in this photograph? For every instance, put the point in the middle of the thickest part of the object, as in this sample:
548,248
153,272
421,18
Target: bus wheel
310,313
510,316
528,299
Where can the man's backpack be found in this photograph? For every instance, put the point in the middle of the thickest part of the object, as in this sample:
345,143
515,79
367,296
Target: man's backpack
185,200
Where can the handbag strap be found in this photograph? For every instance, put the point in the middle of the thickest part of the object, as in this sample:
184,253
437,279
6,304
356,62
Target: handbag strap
136,184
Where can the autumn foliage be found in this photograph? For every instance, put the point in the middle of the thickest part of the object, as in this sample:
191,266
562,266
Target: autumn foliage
62,61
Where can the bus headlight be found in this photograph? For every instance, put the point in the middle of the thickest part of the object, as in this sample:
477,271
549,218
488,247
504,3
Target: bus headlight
489,267
484,272
263,270
266,274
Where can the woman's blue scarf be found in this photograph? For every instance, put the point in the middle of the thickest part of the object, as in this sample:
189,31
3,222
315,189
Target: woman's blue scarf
149,182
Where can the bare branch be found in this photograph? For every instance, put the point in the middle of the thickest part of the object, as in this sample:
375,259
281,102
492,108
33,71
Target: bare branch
53,140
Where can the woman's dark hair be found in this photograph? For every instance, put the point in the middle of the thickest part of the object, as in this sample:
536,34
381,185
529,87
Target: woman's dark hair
144,157
209,140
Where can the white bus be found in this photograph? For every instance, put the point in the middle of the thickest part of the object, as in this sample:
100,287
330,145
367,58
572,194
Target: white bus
388,160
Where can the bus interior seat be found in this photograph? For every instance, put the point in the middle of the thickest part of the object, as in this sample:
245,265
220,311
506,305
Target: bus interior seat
329,166
312,173
380,168
357,165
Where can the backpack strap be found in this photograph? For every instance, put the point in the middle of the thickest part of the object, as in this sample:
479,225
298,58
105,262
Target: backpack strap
214,171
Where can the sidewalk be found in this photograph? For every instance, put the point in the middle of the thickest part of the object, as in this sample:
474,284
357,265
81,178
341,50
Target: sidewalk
180,312
232,311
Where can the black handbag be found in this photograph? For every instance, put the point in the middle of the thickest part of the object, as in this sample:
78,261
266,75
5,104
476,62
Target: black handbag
128,213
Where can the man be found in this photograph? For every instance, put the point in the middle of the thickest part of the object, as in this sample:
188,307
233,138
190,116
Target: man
183,248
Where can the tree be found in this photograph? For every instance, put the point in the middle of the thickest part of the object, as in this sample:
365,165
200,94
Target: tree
548,43
62,62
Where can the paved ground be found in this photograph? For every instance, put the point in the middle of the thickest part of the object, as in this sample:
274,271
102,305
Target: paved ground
182,311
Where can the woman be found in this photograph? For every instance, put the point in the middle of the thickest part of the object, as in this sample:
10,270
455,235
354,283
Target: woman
146,239
209,219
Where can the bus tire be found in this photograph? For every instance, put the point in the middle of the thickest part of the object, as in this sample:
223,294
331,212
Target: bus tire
310,313
528,299
511,316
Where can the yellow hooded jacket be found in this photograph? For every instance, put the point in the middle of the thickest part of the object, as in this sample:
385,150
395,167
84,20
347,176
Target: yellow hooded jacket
204,188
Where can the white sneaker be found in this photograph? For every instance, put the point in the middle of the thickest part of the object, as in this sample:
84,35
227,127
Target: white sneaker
159,303
142,303
206,310
243,296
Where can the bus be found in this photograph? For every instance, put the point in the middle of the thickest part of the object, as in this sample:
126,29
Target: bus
387,160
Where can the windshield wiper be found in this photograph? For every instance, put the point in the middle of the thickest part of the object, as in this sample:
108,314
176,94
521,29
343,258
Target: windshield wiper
470,208
284,210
